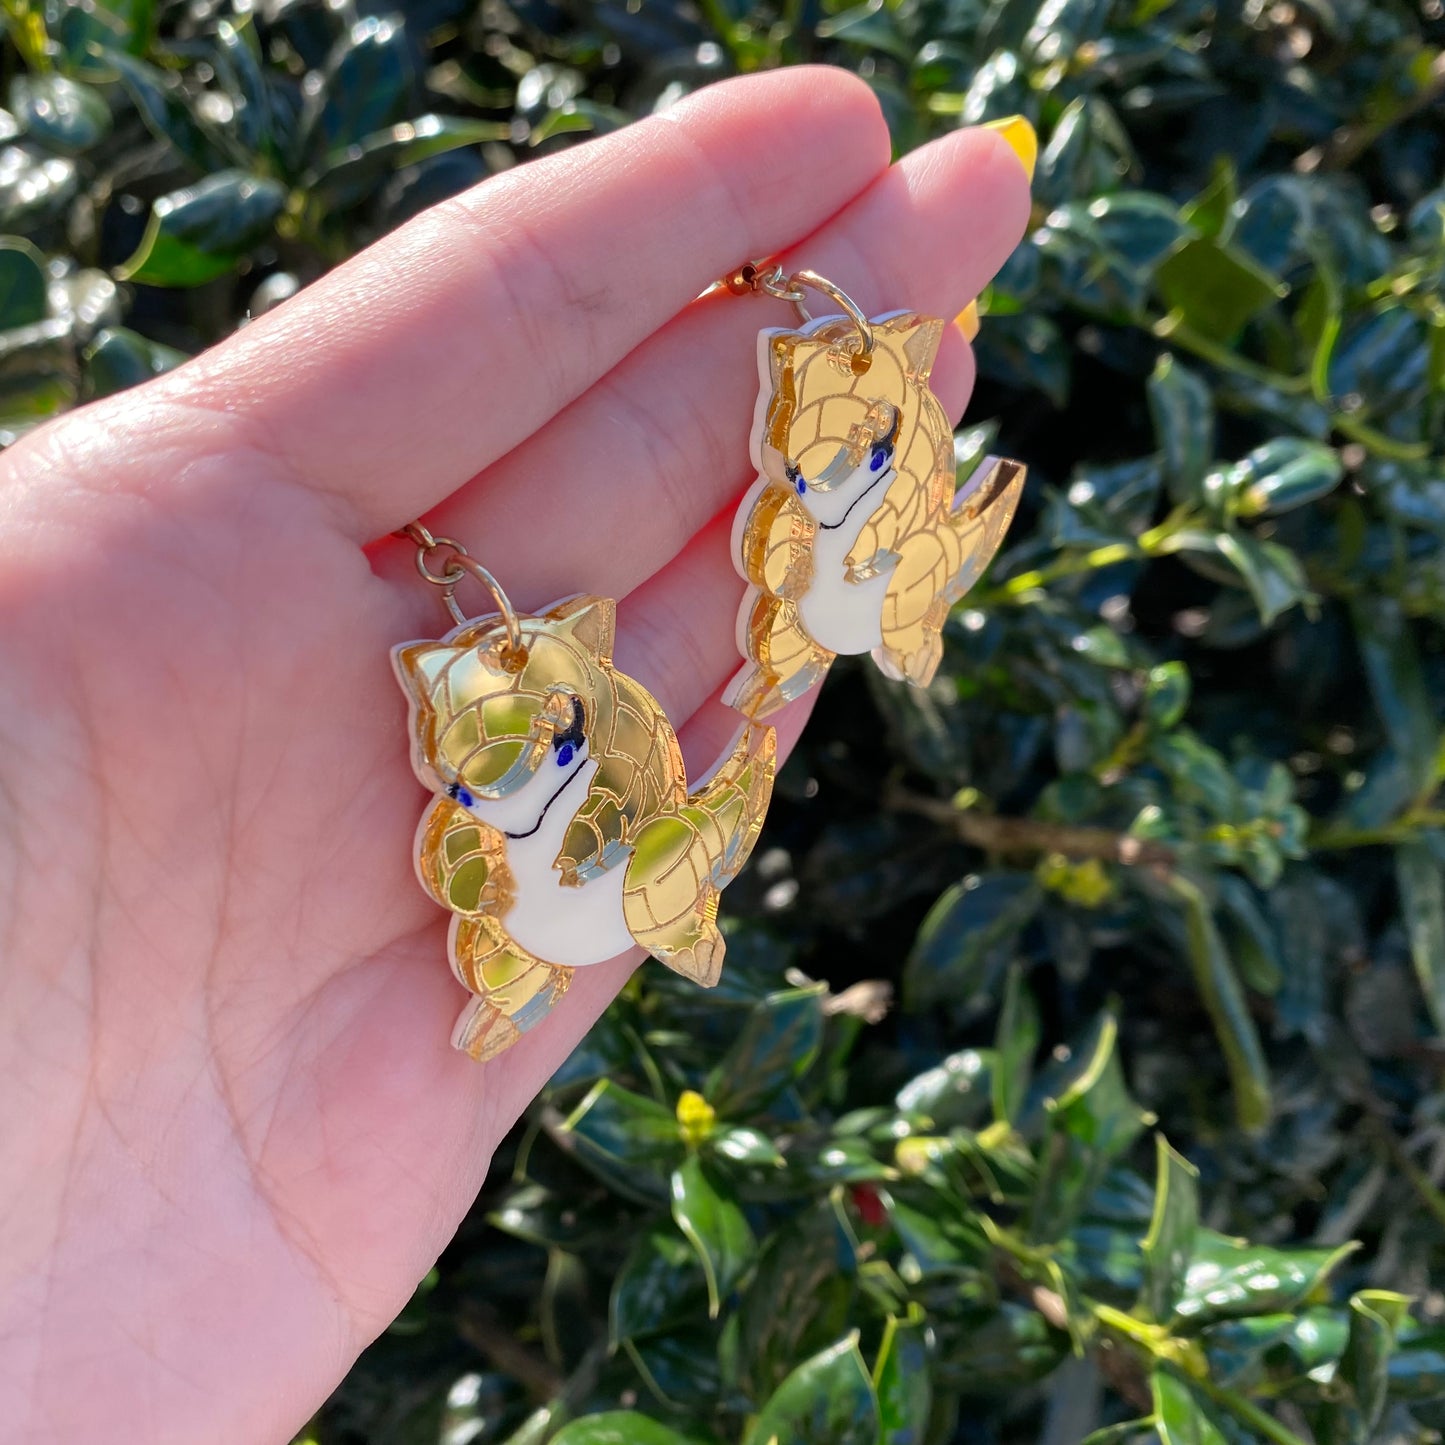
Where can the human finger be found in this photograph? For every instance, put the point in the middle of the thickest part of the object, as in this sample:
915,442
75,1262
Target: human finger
636,465
392,380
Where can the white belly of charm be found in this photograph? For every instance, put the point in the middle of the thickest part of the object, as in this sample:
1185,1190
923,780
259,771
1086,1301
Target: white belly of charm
574,926
845,617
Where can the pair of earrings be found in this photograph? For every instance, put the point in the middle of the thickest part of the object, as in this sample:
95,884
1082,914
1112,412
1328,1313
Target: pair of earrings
563,829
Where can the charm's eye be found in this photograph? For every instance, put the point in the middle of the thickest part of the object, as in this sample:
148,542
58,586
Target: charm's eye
881,455
459,794
795,476
566,744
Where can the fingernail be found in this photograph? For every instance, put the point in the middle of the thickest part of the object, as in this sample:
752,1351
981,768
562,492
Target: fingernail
1022,138
967,320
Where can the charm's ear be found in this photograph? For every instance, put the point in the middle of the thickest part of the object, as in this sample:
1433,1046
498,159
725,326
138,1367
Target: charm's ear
921,341
592,623
418,666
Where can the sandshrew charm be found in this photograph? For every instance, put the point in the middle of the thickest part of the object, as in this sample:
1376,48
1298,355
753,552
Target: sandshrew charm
563,829
855,537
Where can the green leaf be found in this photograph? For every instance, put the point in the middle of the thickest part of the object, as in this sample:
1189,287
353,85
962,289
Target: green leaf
1417,1368
1092,1122
136,19
352,173
968,936
240,64
1215,288
1183,414
1227,1007
1016,1044
1228,1278
1125,1429
24,288
716,1228
843,1160
117,359
1103,647
1318,320
1182,1415
1240,1350
1199,774
619,1427
939,1245
205,230
1166,694
659,1286
868,24
680,1369
1210,212
1274,575
82,36
1402,701
1140,228
1252,942
543,1217
827,1400
1170,1240
1003,1350
36,374
1421,881
741,1145
577,117
626,1139
1380,363
775,1047
1027,350
901,1382
1106,1260
369,83
61,114
164,107
798,1298
1362,1379
35,189
953,1094
1283,474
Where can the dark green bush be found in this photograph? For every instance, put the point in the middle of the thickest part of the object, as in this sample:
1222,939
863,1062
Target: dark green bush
1171,815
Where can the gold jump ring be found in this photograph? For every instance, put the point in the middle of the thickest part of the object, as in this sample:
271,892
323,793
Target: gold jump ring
504,603
462,564
770,280
838,294
451,574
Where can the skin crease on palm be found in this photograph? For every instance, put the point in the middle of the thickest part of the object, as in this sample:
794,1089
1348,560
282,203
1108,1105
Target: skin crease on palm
233,1136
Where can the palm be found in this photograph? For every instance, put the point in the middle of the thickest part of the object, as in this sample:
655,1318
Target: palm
235,1129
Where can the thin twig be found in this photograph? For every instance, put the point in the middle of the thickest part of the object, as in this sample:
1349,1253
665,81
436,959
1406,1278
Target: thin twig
481,1329
1119,1367
1030,835
1420,1182
1350,142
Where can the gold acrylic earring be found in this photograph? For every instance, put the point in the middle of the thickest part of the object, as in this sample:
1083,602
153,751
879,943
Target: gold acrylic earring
562,830
855,537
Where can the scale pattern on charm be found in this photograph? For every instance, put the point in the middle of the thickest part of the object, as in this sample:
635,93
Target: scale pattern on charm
854,539
563,829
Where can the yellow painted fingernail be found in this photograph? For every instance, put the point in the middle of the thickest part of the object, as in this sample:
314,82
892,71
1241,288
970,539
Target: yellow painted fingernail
967,320
1022,138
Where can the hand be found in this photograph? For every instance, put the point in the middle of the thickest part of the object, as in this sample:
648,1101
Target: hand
233,1136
